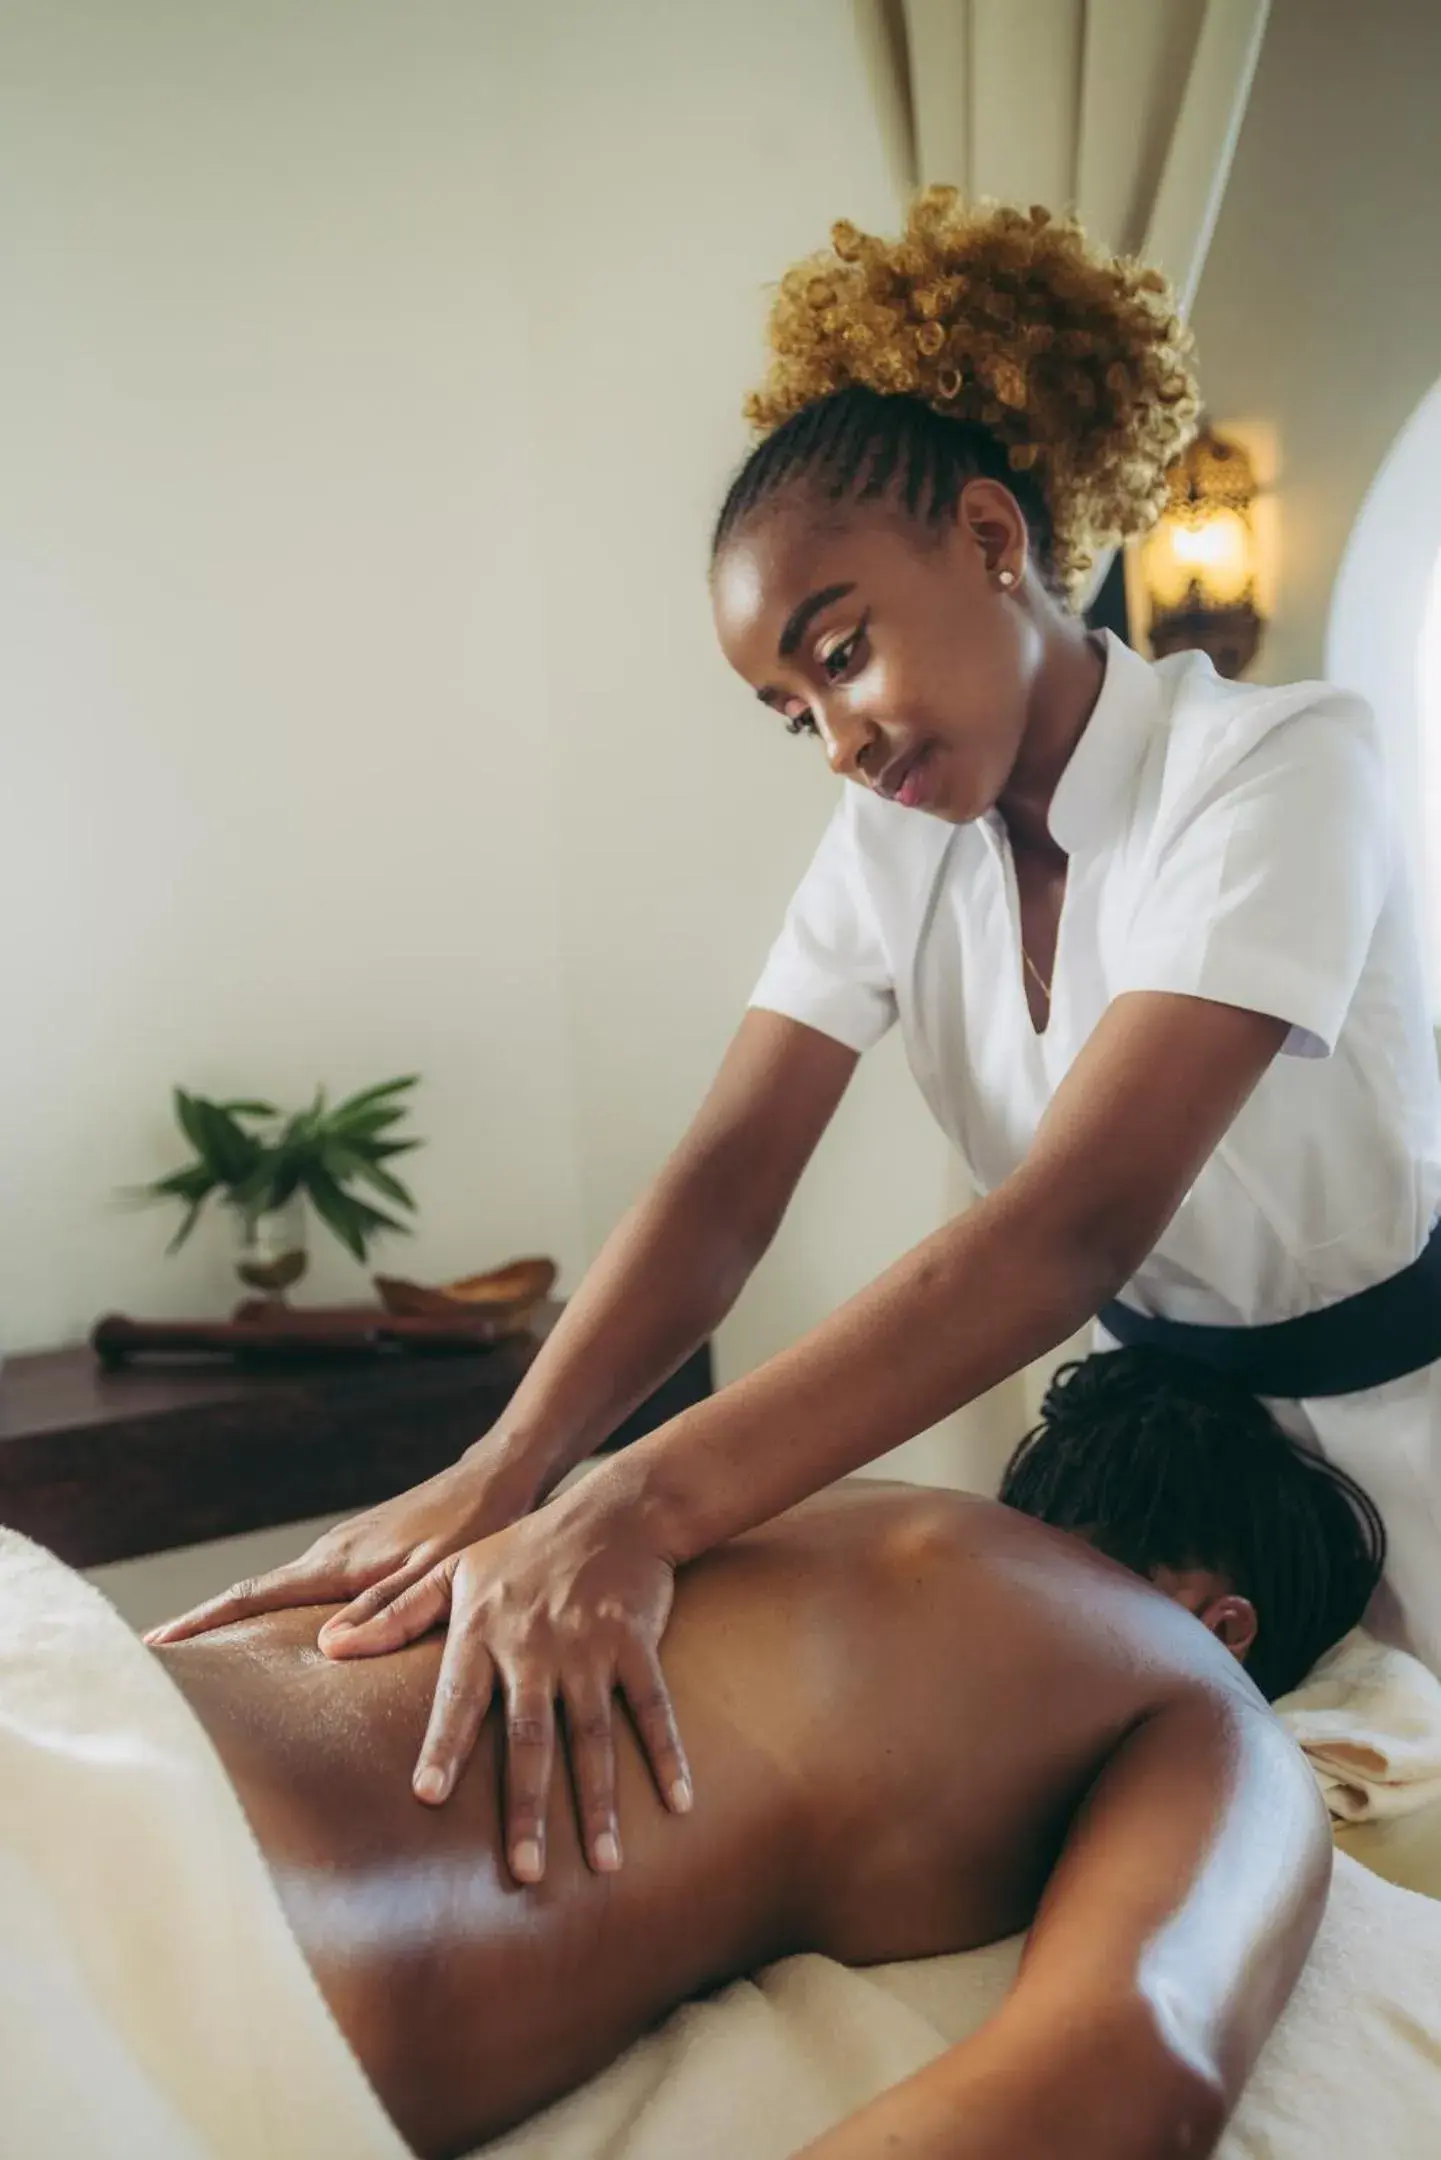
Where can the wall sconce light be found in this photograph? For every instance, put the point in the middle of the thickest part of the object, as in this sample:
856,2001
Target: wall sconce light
1199,562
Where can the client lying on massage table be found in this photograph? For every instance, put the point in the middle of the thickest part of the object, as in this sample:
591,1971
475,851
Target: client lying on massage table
914,1718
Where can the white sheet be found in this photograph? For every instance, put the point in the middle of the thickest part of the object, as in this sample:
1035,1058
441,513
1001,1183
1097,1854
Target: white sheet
153,2002
1352,2072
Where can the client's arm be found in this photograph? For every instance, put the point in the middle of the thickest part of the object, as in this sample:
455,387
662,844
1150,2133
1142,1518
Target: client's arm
1169,1938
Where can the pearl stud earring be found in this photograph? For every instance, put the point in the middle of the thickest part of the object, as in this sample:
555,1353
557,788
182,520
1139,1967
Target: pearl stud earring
1008,577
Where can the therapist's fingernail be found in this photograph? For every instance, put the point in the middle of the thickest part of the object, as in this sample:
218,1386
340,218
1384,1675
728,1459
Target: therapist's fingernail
681,1796
526,1863
607,1852
430,1785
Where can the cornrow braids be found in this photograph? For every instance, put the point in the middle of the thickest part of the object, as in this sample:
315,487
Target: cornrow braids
859,446
1047,360
1163,1463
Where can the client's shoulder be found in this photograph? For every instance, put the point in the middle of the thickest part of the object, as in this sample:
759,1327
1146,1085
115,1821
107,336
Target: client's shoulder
923,1533
1048,1593
885,1513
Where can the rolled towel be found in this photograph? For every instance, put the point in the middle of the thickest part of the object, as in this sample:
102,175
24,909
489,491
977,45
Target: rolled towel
1368,1719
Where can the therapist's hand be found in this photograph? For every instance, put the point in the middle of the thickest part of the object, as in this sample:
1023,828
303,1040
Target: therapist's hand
569,1603
392,1545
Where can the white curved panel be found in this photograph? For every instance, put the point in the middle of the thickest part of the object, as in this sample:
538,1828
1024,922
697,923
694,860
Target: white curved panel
1381,606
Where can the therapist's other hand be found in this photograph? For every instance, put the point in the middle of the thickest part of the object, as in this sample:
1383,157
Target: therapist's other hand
390,1547
568,1604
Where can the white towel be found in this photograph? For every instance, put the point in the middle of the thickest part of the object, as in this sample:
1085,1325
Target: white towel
1368,1719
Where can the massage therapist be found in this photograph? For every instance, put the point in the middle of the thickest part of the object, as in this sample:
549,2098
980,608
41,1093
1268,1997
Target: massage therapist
1146,938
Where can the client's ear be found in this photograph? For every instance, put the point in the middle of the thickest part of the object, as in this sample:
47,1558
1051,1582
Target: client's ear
1232,1620
1230,1617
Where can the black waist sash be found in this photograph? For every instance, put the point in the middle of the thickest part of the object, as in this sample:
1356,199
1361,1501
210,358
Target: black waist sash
1380,1334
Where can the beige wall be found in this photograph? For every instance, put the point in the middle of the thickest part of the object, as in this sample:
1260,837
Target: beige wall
369,379
277,746
1319,310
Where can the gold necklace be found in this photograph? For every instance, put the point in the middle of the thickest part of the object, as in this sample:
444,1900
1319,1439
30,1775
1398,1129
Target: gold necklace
1037,977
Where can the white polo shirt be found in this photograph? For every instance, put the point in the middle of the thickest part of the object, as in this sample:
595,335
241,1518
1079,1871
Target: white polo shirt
1226,841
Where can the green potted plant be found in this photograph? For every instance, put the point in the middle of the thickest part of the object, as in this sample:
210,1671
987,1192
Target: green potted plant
264,1165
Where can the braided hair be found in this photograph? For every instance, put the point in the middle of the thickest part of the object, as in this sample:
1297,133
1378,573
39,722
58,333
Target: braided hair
1163,1463
860,446
985,342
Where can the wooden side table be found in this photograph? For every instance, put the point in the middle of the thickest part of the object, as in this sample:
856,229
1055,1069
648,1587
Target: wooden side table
111,1466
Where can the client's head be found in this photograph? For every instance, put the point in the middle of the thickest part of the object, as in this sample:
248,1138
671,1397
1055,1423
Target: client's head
1182,1476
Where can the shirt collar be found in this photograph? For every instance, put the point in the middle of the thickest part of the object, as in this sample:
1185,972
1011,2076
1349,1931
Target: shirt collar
1106,758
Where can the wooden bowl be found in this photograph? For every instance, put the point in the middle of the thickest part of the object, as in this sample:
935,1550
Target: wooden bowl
505,1293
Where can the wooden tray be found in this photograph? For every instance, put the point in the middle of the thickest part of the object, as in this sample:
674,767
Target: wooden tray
519,1285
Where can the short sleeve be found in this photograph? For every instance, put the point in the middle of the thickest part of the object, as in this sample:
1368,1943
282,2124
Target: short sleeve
1267,894
828,967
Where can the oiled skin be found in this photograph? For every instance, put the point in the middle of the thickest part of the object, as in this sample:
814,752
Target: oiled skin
893,1701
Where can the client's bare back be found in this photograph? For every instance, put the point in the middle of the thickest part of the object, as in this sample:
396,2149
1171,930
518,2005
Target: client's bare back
893,1701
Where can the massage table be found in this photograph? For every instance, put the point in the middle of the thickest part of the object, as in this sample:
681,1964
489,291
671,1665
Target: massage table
156,2006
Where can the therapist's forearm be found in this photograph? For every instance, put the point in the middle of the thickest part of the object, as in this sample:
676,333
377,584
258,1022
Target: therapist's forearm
666,1276
974,1303
676,1264
664,1279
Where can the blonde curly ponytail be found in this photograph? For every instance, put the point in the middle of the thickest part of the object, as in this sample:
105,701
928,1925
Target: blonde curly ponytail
1071,364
